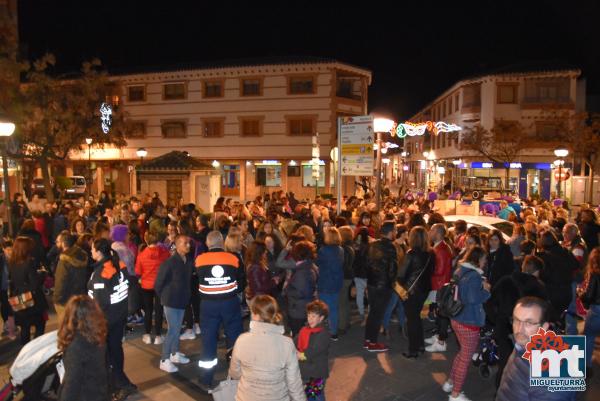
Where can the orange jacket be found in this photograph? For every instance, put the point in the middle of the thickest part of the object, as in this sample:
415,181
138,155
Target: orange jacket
147,264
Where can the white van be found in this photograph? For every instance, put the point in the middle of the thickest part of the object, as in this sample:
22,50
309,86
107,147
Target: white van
78,186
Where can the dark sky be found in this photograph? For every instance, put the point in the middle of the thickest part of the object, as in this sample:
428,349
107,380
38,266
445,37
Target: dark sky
415,49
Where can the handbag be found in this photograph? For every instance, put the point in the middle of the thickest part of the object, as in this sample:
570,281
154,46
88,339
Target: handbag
226,390
402,292
22,301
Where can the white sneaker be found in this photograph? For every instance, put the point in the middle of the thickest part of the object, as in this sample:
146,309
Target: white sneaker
436,347
158,340
460,397
146,339
178,357
447,386
431,340
168,366
197,329
188,334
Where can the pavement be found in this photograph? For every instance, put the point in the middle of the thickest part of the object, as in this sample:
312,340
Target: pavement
356,374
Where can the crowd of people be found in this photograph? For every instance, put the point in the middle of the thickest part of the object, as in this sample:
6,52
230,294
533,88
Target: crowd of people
291,266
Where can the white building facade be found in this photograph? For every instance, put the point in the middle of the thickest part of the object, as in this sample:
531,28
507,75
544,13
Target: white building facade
255,119
513,94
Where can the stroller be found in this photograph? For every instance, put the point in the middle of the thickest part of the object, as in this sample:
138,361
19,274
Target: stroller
487,354
37,371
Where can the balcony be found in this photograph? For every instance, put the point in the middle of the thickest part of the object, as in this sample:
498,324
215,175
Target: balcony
530,103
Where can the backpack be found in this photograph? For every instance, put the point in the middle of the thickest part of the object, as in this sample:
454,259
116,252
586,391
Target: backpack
447,298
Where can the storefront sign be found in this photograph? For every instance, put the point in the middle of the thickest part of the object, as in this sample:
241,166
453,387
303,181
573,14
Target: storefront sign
516,165
356,145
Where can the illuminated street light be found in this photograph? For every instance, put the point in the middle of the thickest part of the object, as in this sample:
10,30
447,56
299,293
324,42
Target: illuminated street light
7,128
216,164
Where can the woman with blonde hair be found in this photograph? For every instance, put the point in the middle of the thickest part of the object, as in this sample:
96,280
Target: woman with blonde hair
307,232
264,360
82,338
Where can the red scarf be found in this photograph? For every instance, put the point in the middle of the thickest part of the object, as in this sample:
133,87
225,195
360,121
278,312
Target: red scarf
304,336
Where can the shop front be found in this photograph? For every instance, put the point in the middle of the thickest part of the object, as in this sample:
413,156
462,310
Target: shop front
525,179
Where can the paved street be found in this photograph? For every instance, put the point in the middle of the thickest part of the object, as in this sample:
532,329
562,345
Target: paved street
355,374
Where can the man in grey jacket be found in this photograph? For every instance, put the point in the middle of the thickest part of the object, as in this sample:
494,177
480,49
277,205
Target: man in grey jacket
71,274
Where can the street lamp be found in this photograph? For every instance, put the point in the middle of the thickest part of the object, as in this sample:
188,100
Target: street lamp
141,153
380,125
7,128
561,153
456,163
90,178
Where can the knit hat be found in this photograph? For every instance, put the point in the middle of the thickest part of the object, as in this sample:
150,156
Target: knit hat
119,233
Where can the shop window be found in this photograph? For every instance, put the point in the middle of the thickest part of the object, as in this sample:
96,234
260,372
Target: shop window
268,175
293,171
307,178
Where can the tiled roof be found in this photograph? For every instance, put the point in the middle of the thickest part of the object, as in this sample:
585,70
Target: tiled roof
529,67
175,160
249,62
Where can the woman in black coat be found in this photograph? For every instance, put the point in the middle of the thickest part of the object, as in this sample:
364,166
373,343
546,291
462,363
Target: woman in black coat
557,274
24,278
419,264
500,261
82,338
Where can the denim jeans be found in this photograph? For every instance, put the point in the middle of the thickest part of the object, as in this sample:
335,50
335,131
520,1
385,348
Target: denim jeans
332,301
394,301
174,318
591,330
361,287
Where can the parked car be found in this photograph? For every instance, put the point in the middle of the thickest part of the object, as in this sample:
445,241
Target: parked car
39,187
77,188
484,223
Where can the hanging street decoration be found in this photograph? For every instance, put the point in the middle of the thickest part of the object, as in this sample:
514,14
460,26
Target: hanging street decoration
106,117
418,129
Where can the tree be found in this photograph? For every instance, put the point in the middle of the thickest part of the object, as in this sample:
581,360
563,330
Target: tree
580,133
53,113
502,144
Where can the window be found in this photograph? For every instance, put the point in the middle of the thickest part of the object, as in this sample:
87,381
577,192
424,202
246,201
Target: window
268,175
349,88
548,92
212,128
250,127
136,93
547,130
293,171
307,178
230,180
174,91
173,129
301,85
507,94
471,96
456,102
137,129
251,87
450,103
300,126
213,89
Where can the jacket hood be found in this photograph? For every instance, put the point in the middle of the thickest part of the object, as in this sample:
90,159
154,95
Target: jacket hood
467,265
265,328
75,256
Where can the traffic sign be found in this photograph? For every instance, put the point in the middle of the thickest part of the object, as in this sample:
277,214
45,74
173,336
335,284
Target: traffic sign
356,145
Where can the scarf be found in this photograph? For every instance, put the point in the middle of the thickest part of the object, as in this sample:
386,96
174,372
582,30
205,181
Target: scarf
304,336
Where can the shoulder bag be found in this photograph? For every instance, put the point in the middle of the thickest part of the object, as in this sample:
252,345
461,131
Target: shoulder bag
400,289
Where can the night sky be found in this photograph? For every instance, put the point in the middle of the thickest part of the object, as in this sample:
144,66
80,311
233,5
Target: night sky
415,50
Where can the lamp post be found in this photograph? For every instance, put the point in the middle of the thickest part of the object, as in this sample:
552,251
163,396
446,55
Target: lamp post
380,125
141,153
456,162
7,128
90,178
561,153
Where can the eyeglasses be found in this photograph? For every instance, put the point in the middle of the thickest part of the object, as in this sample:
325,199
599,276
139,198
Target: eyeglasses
526,323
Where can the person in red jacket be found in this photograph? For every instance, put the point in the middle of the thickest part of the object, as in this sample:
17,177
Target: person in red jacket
146,267
441,275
